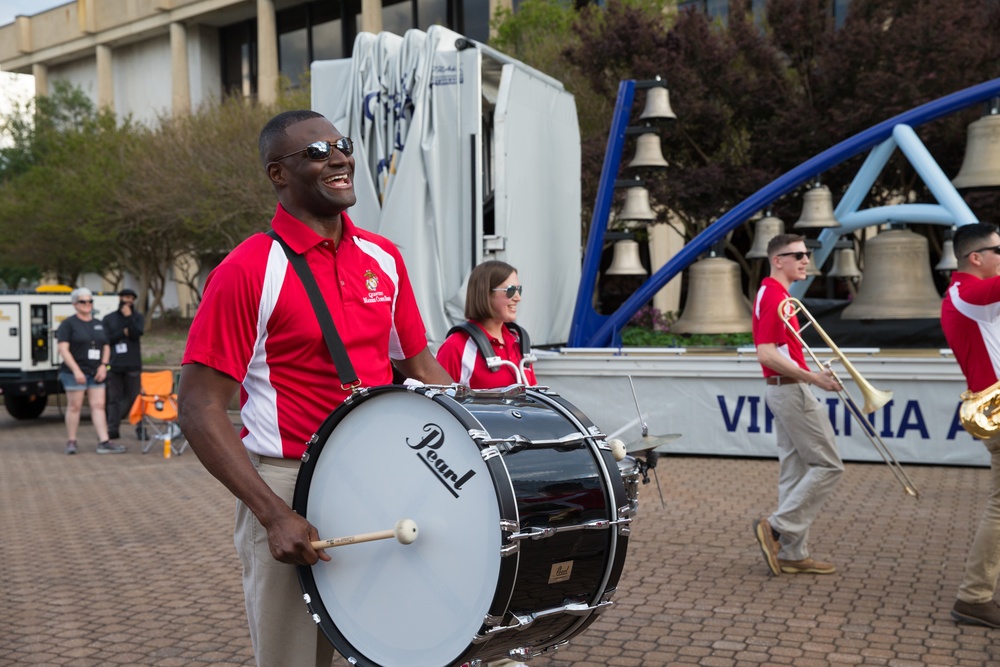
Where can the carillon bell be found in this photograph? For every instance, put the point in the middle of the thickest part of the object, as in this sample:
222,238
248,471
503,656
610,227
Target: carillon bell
981,166
636,205
648,152
766,229
949,262
898,283
845,264
625,260
657,105
715,302
817,209
812,269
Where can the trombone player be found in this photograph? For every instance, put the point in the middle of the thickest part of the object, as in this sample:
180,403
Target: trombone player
810,464
970,318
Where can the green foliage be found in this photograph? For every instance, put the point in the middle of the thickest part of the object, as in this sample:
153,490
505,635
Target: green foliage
643,337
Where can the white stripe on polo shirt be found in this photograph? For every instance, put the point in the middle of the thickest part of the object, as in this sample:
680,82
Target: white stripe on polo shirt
260,412
388,264
470,355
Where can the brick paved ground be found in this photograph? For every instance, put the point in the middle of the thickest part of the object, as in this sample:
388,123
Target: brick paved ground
128,560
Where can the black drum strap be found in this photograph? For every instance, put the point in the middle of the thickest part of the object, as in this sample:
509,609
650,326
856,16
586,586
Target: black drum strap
341,361
484,345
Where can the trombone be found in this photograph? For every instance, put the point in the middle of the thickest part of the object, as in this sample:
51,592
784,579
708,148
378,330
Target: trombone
874,398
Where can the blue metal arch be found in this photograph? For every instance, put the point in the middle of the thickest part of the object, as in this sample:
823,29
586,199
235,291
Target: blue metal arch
590,329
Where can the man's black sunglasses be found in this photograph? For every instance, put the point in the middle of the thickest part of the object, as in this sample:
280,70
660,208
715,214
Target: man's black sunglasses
321,150
509,290
995,249
797,255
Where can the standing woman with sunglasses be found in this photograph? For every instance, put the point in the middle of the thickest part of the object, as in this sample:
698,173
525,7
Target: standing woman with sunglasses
491,301
83,346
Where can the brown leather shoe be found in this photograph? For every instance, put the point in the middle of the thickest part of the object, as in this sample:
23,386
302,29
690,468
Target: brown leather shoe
768,545
983,613
806,566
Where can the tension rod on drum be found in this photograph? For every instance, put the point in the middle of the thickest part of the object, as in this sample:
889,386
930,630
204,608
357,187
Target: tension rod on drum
405,532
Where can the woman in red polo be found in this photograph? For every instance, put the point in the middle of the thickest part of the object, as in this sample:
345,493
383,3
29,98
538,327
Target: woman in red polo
491,301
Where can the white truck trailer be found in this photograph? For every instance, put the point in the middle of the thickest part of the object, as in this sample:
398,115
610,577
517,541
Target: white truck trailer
29,360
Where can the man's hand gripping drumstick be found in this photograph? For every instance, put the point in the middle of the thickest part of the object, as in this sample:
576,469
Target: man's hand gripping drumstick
405,532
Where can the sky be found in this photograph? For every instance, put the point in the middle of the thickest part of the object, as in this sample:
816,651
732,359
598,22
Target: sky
11,8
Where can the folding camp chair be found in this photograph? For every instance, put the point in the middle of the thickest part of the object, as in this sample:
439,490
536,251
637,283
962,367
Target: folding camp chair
155,410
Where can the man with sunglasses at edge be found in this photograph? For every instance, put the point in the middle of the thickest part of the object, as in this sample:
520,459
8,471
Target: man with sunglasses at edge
809,462
970,318
256,330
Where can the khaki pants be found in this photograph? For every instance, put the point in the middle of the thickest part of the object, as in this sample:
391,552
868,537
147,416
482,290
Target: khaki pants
982,567
282,631
810,464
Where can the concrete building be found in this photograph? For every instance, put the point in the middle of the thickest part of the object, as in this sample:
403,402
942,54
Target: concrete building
157,58
150,58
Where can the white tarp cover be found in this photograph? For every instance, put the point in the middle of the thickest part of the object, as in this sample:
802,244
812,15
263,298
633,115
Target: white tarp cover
405,102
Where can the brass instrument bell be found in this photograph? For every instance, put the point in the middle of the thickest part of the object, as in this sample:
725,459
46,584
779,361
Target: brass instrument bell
981,165
657,105
898,283
817,209
636,206
715,302
648,152
845,264
625,261
766,229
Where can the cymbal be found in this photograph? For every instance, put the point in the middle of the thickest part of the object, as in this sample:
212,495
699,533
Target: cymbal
648,442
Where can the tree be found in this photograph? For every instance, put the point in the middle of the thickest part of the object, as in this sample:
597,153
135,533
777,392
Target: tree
53,201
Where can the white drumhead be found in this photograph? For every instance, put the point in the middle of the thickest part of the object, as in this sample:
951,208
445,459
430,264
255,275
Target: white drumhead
418,604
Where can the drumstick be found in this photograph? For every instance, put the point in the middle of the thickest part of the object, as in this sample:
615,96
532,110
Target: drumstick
405,532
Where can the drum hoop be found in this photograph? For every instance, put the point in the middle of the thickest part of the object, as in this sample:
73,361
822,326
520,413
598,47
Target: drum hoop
614,495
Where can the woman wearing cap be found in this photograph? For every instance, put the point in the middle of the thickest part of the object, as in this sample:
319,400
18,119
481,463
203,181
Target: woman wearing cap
84,349
491,301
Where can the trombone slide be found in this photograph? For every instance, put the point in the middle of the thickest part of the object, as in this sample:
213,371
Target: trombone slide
873,398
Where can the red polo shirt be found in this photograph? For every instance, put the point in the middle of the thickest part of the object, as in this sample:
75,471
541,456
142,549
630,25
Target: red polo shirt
768,327
255,324
460,356
970,318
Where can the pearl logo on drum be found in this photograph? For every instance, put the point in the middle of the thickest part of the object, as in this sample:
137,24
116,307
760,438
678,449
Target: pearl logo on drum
427,452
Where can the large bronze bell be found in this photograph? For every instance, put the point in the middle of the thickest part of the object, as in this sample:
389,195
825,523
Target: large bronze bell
648,152
625,261
817,209
845,264
715,302
636,206
898,283
981,165
766,229
657,105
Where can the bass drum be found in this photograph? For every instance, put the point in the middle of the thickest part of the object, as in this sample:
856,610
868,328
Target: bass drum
522,519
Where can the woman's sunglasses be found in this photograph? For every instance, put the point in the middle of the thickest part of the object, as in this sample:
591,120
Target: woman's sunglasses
509,290
321,150
84,301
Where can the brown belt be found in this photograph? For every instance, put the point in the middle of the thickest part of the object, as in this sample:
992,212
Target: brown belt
781,379
282,463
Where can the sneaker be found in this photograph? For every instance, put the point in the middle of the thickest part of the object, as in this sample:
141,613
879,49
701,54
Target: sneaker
108,447
71,447
768,541
983,613
806,566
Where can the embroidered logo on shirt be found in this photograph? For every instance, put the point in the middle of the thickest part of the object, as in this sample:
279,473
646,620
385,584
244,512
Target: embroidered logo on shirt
371,281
